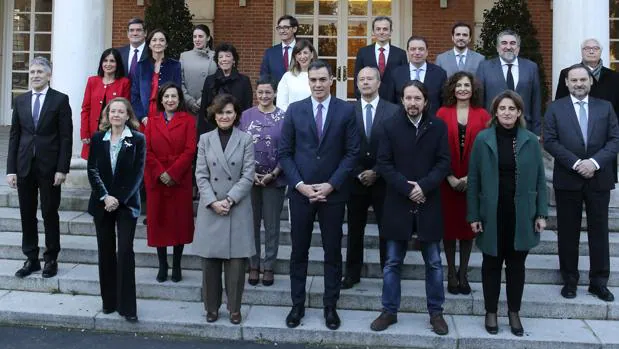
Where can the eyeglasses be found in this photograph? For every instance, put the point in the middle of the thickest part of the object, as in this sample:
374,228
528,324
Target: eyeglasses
283,27
591,48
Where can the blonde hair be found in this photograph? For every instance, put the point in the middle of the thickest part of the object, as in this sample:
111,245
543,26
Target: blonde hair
104,122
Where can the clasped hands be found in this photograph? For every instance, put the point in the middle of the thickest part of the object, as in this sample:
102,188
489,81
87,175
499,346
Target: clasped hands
416,195
166,179
458,184
111,203
315,192
367,177
221,207
262,180
586,168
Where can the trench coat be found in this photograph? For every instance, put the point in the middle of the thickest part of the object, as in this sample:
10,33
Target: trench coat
221,174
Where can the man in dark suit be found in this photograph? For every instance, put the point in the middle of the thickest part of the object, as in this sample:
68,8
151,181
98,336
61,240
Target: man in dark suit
508,71
134,52
432,76
367,187
318,149
460,57
276,59
413,158
38,161
381,55
582,135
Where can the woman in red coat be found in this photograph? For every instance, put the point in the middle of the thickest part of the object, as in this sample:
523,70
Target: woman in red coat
465,117
109,83
170,149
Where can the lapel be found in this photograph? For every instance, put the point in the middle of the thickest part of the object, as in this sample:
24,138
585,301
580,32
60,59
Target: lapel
330,115
219,153
522,73
490,140
48,100
359,118
107,161
159,123
279,56
498,69
233,143
453,60
309,111
452,125
573,118
380,111
28,109
521,140
593,114
470,60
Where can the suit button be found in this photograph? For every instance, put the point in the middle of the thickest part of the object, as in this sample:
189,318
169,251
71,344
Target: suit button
214,164
411,211
229,178
367,154
215,179
232,164
318,158
215,193
100,102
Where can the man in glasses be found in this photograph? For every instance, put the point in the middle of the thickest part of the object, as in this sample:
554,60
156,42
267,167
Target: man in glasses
276,59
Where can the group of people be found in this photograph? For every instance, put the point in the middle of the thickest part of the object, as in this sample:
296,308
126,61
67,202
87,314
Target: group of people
442,152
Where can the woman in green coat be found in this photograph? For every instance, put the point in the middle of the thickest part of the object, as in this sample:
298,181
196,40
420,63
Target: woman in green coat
507,203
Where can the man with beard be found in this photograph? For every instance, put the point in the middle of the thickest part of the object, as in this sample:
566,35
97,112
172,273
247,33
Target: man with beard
460,58
413,158
581,133
508,71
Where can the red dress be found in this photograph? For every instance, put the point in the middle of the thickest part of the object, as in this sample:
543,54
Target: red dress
454,203
169,148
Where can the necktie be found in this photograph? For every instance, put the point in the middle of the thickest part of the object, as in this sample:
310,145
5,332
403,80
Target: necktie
460,62
286,58
417,76
134,61
381,61
319,121
368,121
510,78
36,109
582,120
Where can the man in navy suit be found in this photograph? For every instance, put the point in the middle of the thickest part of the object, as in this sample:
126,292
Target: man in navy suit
582,135
276,59
381,55
134,51
318,149
432,76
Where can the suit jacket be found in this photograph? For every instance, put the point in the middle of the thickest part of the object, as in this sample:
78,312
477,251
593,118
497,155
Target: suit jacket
449,62
49,142
304,157
490,76
124,54
434,81
273,63
170,70
605,88
124,184
366,57
564,141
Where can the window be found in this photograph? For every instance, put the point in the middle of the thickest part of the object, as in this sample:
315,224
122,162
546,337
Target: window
614,34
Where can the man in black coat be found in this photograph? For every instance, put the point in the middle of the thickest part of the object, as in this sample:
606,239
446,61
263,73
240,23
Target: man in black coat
413,158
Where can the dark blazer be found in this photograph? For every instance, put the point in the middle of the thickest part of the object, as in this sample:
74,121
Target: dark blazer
491,78
564,141
434,81
170,70
50,141
304,158
424,158
273,63
124,54
605,88
366,57
124,184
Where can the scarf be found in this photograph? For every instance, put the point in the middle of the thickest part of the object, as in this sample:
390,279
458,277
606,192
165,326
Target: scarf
596,71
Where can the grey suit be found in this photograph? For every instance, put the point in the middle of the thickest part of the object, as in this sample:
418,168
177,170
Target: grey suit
449,62
490,76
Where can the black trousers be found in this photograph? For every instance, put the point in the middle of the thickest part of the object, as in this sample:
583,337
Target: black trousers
330,219
28,189
357,215
569,216
117,270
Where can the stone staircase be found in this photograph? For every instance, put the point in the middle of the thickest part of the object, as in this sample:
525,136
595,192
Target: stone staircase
71,298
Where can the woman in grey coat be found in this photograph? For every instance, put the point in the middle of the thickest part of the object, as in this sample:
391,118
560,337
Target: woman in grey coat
224,235
196,65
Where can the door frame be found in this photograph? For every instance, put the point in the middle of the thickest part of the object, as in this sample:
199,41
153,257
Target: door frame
6,25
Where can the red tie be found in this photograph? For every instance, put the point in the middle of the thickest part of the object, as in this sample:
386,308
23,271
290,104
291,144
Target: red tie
381,61
286,59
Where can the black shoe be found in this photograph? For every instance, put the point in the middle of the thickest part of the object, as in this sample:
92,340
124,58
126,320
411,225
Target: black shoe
491,323
108,310
177,275
568,291
602,292
131,318
50,269
144,221
463,286
332,320
294,317
30,266
348,283
515,324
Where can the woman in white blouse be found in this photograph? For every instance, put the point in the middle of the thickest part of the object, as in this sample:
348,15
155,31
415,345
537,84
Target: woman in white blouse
294,85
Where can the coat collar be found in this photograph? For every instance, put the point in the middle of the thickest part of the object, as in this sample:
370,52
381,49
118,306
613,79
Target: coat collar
490,139
233,143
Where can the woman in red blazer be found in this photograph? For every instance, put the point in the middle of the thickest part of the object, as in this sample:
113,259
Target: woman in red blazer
170,149
109,83
465,117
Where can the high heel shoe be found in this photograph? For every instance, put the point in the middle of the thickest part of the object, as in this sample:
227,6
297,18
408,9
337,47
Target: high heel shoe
491,323
463,283
515,324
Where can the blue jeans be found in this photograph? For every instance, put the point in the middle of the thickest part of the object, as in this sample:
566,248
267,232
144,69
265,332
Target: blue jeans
435,295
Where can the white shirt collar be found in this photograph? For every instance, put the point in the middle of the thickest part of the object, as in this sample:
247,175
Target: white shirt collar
140,48
418,120
515,62
126,133
325,103
424,67
373,102
377,46
576,100
465,53
43,93
291,45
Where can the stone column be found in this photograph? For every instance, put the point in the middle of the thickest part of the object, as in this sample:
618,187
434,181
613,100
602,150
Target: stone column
78,38
572,22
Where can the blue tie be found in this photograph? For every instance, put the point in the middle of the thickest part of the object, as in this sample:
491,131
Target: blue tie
368,121
582,120
36,109
417,76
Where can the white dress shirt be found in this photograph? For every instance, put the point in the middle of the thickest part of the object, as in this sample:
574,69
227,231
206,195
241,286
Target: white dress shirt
290,48
325,110
291,89
377,52
422,71
464,54
132,52
374,104
515,70
41,99
577,110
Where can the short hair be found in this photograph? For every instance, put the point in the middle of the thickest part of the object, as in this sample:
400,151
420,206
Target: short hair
136,20
507,32
226,47
266,80
422,88
132,123
206,31
383,18
295,67
460,24
577,66
416,38
120,67
42,61
293,21
374,69
515,97
449,90
150,37
181,98
319,64
582,44
218,105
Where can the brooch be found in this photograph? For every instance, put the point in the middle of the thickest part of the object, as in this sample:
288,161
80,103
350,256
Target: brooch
127,144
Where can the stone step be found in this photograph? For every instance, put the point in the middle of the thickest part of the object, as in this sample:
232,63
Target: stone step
542,301
267,323
541,269
81,223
